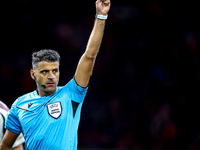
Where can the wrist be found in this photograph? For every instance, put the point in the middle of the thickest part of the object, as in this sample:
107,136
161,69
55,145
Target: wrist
101,17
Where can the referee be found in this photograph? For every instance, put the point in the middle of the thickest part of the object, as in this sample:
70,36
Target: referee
49,116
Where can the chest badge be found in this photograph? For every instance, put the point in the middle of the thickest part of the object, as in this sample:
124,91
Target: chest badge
55,110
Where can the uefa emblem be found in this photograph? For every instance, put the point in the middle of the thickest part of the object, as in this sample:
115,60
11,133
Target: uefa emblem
55,110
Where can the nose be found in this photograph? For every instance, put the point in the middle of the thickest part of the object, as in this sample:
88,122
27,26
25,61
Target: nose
51,75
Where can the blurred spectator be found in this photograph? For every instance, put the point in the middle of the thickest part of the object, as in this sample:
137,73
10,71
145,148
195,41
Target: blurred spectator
18,145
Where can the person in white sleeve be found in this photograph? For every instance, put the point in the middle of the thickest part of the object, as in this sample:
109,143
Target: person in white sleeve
18,145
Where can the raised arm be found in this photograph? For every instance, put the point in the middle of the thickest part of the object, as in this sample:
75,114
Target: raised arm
86,63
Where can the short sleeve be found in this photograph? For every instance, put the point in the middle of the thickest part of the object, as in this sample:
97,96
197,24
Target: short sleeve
12,123
74,91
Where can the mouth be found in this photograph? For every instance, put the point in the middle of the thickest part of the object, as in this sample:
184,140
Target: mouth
50,84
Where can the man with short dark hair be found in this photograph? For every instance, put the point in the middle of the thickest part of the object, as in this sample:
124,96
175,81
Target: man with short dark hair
49,116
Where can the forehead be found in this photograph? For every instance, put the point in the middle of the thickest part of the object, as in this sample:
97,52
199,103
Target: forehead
44,65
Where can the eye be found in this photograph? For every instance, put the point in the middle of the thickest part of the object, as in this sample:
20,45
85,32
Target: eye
44,71
55,70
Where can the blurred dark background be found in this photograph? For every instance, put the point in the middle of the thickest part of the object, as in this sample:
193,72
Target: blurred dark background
144,91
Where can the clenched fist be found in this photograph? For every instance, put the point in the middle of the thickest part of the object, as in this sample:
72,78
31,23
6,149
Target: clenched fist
102,7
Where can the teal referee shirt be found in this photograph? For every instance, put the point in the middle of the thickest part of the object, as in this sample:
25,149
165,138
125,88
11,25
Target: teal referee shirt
48,122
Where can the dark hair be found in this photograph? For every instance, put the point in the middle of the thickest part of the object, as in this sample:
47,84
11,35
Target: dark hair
44,55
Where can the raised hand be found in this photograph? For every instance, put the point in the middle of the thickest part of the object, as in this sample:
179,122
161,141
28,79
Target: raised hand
102,7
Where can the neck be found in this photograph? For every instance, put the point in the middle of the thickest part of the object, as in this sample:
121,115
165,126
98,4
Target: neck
45,93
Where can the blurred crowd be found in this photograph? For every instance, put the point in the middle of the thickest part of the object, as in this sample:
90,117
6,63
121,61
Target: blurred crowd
144,91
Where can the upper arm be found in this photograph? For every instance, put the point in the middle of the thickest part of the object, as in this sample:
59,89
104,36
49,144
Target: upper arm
84,70
9,139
